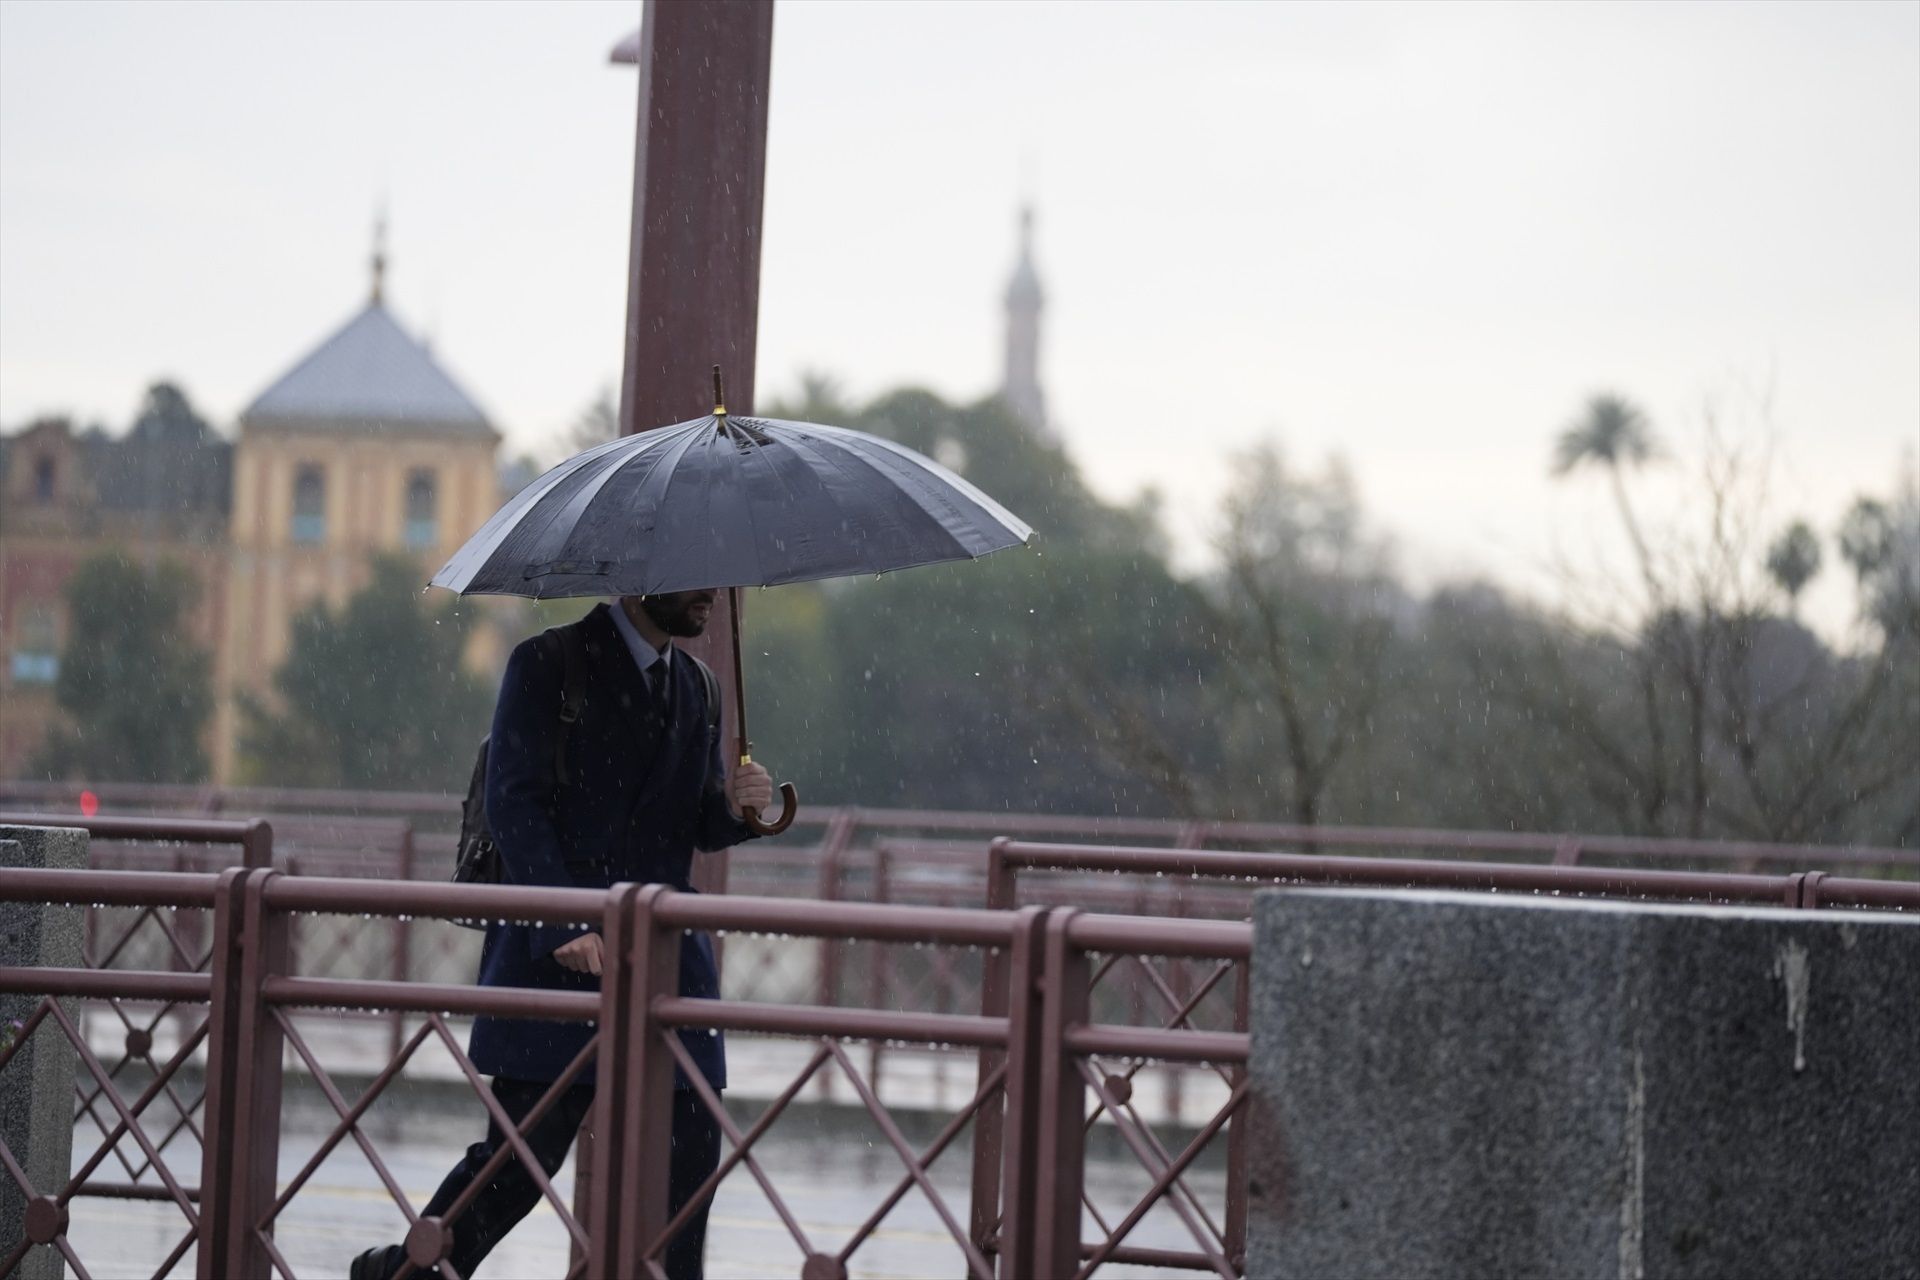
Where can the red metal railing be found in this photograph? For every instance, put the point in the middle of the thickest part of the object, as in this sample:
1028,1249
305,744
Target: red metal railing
301,843
184,946
840,831
1045,1041
252,989
1177,882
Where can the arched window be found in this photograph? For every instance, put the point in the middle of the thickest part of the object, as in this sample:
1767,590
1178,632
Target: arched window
43,479
309,504
423,525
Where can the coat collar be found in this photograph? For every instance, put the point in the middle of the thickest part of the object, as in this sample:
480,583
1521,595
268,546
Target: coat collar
626,691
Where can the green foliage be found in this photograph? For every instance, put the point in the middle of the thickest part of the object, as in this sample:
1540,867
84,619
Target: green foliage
1017,682
136,690
372,696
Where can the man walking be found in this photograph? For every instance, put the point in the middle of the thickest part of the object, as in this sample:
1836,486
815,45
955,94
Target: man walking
627,792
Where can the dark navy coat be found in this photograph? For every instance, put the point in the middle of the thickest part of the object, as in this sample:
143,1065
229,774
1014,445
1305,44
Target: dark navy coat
644,791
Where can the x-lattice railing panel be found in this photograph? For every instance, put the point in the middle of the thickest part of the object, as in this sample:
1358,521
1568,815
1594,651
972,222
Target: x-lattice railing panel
48,1209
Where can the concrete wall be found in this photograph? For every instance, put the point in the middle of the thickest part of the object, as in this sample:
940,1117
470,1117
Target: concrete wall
36,1089
1474,1085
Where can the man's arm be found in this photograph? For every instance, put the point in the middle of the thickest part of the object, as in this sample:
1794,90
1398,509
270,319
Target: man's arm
521,787
720,827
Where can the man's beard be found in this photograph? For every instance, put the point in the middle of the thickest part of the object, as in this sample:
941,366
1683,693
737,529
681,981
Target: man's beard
674,613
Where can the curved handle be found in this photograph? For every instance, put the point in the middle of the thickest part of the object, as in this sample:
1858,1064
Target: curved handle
789,810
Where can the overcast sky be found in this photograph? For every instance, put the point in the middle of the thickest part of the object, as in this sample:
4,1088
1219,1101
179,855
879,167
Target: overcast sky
1417,236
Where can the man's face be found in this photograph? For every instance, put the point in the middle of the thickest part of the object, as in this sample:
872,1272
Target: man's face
683,613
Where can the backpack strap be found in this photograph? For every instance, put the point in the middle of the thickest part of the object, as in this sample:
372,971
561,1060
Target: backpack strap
573,687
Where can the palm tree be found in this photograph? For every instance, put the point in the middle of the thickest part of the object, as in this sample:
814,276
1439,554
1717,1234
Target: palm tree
1793,560
1610,433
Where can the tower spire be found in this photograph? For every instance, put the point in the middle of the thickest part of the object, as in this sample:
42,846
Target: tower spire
1020,385
379,255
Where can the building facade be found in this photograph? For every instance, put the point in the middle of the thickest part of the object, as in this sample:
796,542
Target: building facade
160,493
366,446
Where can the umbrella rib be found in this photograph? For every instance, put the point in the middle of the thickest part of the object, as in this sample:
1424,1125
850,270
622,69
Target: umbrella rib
507,520
841,462
666,458
814,460
670,447
672,473
918,464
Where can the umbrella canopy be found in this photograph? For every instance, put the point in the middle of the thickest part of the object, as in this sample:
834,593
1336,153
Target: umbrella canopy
727,501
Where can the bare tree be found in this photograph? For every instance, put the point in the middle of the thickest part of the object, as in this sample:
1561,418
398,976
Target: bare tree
1746,724
1305,599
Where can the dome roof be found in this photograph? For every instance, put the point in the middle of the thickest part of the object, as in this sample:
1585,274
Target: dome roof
369,374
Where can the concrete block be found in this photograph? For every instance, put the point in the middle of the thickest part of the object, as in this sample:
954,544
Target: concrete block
1479,1085
36,1089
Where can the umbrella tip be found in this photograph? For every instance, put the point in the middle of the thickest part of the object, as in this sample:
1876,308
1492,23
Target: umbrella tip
719,395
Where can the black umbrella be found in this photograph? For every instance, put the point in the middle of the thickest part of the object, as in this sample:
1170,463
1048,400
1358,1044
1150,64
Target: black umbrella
728,502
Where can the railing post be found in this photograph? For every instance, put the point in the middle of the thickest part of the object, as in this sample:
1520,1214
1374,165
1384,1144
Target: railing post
633,1100
241,1151
223,1015
989,1123
402,948
256,844
1018,1169
833,870
1059,1115
885,960
1239,1156
592,1183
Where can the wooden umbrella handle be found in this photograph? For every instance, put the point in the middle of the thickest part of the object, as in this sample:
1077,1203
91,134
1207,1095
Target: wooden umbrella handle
789,809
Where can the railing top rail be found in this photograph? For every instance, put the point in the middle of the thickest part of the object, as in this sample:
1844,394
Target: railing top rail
1551,842
954,926
1045,854
1317,869
109,888
1837,891
1074,826
287,825
1160,936
877,922
529,903
183,830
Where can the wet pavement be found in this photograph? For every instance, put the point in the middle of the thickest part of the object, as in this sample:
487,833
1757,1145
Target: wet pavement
830,1164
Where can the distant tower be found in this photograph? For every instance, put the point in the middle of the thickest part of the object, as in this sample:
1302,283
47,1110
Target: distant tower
380,257
1020,387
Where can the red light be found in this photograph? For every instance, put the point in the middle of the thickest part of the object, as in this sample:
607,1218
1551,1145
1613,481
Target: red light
89,804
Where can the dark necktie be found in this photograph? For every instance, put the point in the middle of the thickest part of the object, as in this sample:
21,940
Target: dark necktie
656,675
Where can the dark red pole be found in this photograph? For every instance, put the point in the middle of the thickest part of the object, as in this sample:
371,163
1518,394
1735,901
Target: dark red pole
693,285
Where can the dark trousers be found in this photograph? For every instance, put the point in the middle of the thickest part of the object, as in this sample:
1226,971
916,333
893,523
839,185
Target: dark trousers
512,1193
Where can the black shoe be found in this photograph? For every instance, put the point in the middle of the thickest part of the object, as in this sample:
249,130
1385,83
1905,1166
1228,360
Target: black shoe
378,1263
